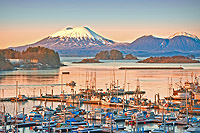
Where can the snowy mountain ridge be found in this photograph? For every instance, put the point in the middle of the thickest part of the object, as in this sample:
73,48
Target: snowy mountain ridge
82,41
183,34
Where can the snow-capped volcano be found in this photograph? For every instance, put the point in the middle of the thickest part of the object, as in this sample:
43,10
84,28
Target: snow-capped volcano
81,33
71,38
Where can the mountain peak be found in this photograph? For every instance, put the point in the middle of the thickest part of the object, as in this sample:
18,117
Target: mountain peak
80,33
183,34
73,32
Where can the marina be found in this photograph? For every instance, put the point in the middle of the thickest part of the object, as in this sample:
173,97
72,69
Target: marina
108,66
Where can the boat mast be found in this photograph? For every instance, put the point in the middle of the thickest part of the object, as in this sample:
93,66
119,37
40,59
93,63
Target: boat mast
117,99
137,91
128,90
16,105
124,87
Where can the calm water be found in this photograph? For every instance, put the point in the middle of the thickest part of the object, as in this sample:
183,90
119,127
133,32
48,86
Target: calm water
152,81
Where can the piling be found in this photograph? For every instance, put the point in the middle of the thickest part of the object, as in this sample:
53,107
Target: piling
164,125
110,123
52,92
173,127
4,119
3,93
23,116
136,125
187,117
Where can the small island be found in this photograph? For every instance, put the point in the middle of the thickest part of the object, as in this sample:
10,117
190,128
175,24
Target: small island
130,57
173,59
89,61
113,55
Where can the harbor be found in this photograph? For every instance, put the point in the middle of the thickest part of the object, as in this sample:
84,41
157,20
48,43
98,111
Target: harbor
119,105
100,66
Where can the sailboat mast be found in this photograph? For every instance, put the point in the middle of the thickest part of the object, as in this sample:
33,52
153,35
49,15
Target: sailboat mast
16,104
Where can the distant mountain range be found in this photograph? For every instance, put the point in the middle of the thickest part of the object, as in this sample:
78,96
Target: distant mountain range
82,41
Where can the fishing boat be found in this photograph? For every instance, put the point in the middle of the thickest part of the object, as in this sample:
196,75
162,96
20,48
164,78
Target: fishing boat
141,118
95,100
169,107
112,101
45,126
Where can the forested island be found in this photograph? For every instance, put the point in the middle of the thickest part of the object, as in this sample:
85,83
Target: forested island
4,64
113,55
173,59
32,57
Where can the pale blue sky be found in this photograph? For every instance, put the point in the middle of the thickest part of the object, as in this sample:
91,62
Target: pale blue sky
27,21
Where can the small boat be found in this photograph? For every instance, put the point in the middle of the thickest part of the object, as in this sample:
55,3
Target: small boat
20,98
45,126
193,128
